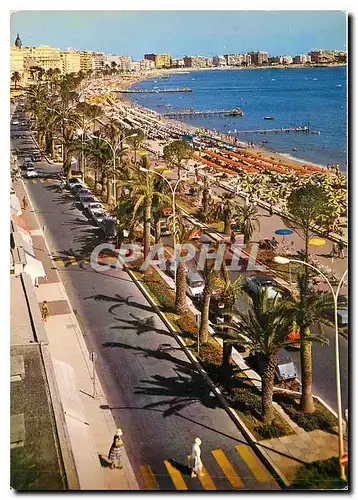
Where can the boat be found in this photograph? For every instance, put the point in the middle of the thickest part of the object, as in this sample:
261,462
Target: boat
316,132
269,117
295,149
235,112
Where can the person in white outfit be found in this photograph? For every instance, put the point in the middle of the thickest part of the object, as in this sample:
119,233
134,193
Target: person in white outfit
196,462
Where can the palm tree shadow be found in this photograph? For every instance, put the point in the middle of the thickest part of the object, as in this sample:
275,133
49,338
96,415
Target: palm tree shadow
160,353
141,325
120,300
186,388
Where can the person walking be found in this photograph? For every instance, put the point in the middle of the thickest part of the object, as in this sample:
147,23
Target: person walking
232,237
116,450
196,463
25,203
45,311
340,247
271,211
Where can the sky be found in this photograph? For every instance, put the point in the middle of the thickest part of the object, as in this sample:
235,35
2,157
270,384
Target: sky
182,33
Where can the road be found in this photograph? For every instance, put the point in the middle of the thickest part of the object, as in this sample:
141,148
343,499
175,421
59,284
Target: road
154,393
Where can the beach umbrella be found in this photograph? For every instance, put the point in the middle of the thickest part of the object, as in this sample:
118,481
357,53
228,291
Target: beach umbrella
317,242
284,232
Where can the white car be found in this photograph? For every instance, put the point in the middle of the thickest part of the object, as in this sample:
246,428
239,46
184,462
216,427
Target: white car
94,205
194,284
31,172
98,215
15,122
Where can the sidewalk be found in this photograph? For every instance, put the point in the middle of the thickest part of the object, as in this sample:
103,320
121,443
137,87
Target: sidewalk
88,418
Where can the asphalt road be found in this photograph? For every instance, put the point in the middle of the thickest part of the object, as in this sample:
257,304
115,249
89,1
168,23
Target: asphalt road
154,393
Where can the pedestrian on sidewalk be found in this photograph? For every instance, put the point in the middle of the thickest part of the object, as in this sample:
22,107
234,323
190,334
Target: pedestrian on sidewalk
25,203
196,463
340,247
232,237
45,311
116,450
271,211
333,251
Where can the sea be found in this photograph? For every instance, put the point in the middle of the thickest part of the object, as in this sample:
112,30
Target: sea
315,97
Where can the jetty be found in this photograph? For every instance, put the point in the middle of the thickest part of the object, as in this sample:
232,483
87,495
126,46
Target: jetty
303,128
192,112
150,91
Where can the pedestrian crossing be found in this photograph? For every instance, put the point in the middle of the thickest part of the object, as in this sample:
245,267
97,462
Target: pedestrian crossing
79,260
42,181
226,473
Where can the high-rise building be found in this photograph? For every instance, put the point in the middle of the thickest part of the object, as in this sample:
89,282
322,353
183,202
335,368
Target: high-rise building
259,58
160,60
302,59
219,61
99,60
71,61
195,61
86,60
146,65
177,62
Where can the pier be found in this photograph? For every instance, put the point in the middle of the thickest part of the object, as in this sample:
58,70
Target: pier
304,128
151,91
192,112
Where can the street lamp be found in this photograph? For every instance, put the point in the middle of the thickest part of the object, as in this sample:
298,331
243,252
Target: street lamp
285,260
114,151
81,132
173,191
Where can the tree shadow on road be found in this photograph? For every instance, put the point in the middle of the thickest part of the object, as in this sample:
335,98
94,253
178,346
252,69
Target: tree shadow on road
162,353
141,325
120,300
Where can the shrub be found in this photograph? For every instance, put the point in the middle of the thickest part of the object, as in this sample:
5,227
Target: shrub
323,474
268,431
187,324
163,294
320,419
245,400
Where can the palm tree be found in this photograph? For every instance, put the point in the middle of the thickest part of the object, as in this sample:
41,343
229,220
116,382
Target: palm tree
137,137
309,309
181,236
209,275
176,152
100,155
264,329
145,188
227,294
247,218
16,78
224,209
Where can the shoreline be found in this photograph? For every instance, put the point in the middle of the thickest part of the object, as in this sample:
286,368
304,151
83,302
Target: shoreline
280,156
131,80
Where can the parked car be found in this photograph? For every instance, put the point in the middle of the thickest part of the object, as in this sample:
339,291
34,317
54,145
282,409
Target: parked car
15,122
108,227
263,282
97,216
82,192
27,161
37,157
194,284
74,181
75,186
342,311
285,367
30,173
86,200
95,205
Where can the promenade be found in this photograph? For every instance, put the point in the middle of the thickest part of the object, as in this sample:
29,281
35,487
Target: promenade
89,421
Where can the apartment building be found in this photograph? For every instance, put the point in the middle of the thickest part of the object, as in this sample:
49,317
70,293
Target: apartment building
86,60
177,62
302,59
146,65
71,61
160,60
43,56
195,62
99,60
259,58
322,56
219,61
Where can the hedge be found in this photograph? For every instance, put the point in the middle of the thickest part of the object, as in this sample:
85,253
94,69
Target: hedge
323,474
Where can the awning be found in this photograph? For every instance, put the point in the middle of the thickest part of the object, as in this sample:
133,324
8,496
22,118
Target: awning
26,236
34,268
15,204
